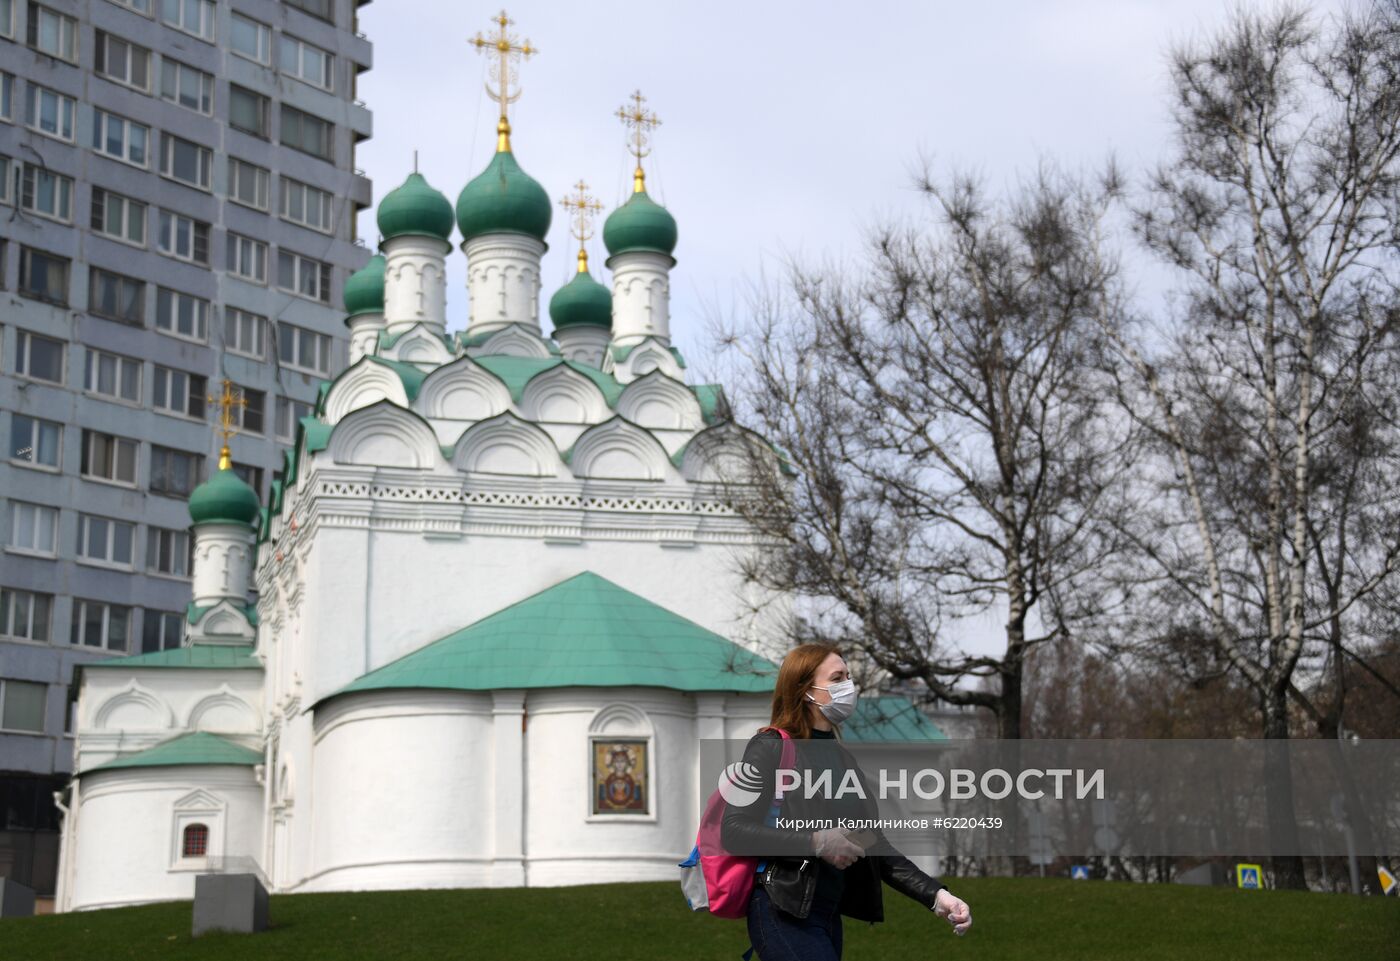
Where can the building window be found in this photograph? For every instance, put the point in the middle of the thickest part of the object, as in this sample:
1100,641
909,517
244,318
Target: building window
116,297
43,276
245,333
252,476
123,62
247,258
303,276
249,38
320,9
22,705
177,392
25,615
289,414
46,193
306,133
107,457
301,60
247,183
182,315
304,349
140,6
169,552
184,161
183,84
112,375
34,528
247,111
192,16
306,205
183,238
49,112
119,217
99,624
105,540
39,357
7,18
250,416
194,842
35,442
126,140
6,184
160,631
174,472
7,93
52,33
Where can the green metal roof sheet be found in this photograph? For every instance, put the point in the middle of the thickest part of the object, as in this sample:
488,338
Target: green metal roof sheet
712,402
200,747
193,612
889,717
583,632
387,340
516,372
197,656
318,434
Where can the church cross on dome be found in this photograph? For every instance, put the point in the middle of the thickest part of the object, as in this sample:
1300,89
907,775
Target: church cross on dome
582,209
507,50
227,401
641,121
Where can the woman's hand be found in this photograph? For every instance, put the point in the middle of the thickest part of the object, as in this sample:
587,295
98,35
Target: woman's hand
835,848
954,910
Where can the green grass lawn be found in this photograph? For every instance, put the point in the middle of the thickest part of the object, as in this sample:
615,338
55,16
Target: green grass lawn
1013,919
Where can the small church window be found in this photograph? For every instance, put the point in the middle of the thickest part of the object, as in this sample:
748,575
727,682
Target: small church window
196,841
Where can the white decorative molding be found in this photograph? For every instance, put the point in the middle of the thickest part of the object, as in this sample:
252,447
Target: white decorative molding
462,390
364,334
505,444
366,382
620,719
659,401
415,284
725,453
421,345
619,450
563,395
641,292
204,715
644,357
384,435
515,340
134,708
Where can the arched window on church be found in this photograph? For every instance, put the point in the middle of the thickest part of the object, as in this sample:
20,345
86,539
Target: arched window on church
195,843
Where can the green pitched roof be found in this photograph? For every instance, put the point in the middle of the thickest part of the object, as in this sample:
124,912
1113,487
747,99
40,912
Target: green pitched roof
197,748
889,717
193,612
516,372
583,632
197,656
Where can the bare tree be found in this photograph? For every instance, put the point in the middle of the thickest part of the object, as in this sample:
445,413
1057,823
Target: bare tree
1279,212
944,410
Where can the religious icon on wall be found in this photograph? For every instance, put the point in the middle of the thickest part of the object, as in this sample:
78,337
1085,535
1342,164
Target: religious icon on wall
620,777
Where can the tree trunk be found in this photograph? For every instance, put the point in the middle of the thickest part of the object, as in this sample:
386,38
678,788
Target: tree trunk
1278,789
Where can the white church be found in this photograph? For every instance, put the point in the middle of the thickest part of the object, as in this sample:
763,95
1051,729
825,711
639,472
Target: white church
497,601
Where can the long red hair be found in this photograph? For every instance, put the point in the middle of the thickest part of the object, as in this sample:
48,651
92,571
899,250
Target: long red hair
795,676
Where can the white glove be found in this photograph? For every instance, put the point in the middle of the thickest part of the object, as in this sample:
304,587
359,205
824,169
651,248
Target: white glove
954,910
835,848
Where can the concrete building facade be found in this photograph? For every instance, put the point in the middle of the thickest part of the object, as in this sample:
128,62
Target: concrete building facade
178,197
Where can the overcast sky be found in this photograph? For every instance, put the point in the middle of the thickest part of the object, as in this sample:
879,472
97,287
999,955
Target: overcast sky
786,126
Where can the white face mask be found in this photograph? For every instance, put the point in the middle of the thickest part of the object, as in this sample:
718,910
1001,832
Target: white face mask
843,701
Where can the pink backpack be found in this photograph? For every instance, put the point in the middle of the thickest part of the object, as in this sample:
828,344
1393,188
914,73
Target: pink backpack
711,879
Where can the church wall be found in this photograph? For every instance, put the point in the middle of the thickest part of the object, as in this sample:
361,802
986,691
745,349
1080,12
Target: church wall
120,712
403,791
131,823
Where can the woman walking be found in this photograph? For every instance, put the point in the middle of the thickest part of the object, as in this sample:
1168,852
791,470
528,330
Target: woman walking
813,878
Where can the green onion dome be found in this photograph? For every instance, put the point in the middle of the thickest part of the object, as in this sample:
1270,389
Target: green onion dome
640,224
224,499
582,301
364,291
503,199
415,208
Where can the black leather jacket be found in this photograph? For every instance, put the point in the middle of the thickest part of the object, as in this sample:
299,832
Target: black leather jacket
791,874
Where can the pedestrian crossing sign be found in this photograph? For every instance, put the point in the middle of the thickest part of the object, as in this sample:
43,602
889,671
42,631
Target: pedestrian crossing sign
1249,876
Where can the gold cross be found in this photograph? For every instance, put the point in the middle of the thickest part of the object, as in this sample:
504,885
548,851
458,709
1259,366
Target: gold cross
582,209
227,401
640,120
504,45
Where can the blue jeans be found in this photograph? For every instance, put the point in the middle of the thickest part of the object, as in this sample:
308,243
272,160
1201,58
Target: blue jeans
780,936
